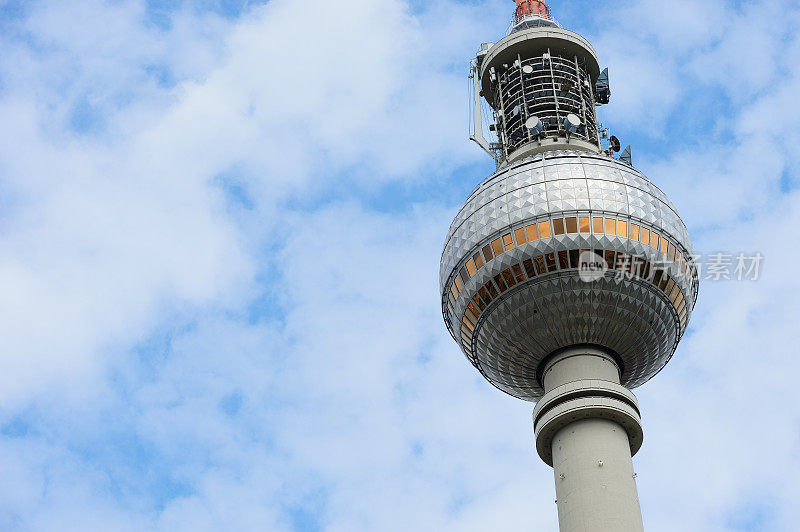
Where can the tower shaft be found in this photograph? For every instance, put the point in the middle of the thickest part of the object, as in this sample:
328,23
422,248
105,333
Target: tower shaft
588,424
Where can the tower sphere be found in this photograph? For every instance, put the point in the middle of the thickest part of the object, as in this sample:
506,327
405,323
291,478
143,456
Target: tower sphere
566,248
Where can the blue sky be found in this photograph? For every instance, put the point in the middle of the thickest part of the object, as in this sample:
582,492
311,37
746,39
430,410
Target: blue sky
220,229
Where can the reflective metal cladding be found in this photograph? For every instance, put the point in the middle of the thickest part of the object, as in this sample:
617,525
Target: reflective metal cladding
510,276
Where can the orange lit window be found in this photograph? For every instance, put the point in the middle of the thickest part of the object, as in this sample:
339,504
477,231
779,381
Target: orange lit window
532,233
671,252
492,290
529,268
664,282
487,252
622,228
634,232
471,267
459,286
497,247
572,225
558,226
508,242
472,312
500,283
519,234
478,303
509,277
518,275
478,260
464,275
563,259
583,221
611,226
644,235
664,246
540,266
544,229
653,240
675,293
485,297
454,290
657,277
597,223
669,287
610,257
550,259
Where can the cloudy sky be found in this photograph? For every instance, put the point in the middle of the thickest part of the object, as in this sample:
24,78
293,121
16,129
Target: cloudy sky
220,229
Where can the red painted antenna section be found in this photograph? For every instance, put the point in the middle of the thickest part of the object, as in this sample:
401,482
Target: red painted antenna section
527,8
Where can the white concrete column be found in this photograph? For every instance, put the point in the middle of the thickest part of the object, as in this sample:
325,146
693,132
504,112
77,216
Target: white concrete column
587,427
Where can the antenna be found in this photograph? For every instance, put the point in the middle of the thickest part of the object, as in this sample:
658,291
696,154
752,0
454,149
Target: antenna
534,125
626,156
602,88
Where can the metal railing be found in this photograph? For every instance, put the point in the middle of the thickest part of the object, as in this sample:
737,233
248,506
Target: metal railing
549,88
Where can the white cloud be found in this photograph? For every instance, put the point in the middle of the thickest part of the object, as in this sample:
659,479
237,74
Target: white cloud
140,389
108,232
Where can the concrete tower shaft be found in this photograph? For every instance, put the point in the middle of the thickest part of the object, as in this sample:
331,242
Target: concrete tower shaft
587,428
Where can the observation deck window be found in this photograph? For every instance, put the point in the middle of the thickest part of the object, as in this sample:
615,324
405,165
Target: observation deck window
572,225
497,247
487,253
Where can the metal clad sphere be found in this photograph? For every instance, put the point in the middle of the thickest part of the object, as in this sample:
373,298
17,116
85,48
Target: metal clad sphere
512,291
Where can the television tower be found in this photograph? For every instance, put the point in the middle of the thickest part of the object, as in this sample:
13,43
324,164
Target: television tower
567,277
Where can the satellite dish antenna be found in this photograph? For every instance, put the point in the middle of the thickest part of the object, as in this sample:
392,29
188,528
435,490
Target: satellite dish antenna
572,123
534,125
614,144
527,69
